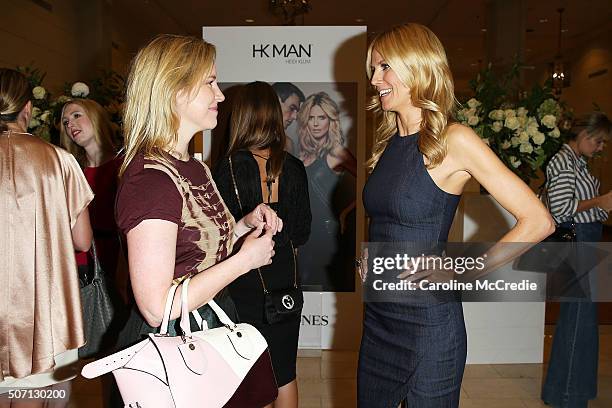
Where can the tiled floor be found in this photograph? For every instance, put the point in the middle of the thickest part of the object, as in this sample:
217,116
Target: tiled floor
327,379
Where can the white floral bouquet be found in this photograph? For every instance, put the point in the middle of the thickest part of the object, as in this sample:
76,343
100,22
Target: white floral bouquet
524,134
107,91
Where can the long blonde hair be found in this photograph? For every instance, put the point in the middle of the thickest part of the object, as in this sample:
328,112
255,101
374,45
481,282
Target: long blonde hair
308,144
418,59
167,65
101,124
257,123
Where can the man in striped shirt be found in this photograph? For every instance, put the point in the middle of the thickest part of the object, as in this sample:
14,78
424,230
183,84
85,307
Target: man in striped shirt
573,195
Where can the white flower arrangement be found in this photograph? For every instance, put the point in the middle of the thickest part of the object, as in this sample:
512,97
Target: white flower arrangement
512,122
497,114
555,133
46,116
521,112
515,162
526,148
473,103
550,121
510,113
539,138
39,92
79,90
517,136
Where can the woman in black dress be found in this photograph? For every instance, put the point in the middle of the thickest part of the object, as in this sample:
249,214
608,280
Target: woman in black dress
258,170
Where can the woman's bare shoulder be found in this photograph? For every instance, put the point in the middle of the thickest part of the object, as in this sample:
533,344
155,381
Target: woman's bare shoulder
457,133
465,147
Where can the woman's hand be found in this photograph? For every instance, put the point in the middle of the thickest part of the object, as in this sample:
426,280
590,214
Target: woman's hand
263,215
429,269
258,250
605,201
361,264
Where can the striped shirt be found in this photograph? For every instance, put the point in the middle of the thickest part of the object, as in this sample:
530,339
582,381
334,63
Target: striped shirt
568,181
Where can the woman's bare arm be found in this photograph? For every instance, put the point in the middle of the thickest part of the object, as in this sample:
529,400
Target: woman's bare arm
82,233
151,257
533,221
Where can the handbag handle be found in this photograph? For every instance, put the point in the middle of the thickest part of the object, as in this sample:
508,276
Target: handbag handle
98,273
184,323
163,331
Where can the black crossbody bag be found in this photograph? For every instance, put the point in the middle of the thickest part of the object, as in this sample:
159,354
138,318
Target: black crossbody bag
280,304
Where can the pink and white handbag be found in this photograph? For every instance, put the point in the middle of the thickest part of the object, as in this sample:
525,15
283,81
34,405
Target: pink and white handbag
226,366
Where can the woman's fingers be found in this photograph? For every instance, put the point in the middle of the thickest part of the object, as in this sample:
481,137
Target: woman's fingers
270,216
280,225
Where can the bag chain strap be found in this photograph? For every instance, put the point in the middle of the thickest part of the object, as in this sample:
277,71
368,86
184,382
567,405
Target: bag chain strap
263,284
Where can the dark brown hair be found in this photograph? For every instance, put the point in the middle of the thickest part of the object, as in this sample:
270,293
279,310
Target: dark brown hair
257,123
15,93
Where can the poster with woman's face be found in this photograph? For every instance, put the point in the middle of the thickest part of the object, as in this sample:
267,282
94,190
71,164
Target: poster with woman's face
320,120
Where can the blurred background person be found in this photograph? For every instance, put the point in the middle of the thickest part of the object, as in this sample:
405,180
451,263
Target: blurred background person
265,173
86,132
44,218
327,259
575,202
290,98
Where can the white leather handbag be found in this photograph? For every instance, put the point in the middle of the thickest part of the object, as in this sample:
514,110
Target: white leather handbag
203,368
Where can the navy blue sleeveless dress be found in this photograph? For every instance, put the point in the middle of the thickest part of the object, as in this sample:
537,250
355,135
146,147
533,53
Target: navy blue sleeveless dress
413,351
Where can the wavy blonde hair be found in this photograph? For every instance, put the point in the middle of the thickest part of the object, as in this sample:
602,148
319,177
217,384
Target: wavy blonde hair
167,65
418,59
101,124
308,144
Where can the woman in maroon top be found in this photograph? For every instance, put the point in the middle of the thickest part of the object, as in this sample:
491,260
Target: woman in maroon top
168,206
86,132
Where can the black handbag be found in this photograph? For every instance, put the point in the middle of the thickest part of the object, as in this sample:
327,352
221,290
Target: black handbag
563,234
280,304
98,311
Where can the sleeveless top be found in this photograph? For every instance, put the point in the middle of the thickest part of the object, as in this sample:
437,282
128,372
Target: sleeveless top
409,214
402,200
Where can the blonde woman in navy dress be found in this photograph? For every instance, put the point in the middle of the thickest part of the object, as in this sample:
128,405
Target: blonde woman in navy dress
420,164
